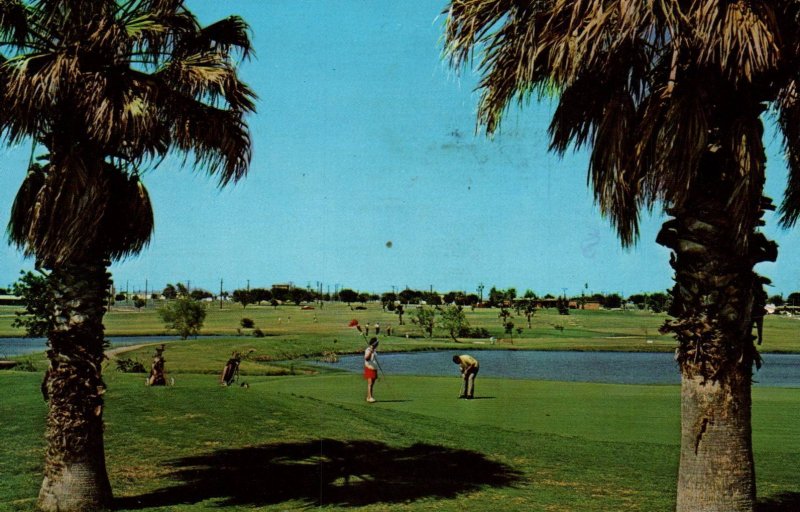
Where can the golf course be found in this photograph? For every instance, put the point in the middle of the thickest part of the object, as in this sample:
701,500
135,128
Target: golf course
290,434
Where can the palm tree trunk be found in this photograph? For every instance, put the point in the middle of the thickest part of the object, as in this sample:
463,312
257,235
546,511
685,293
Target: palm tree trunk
715,294
716,467
75,477
712,302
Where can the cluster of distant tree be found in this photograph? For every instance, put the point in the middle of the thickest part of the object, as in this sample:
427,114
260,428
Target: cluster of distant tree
279,295
656,302
793,299
432,298
496,297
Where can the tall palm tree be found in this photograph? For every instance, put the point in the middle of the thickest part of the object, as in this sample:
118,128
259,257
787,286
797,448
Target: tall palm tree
105,89
669,96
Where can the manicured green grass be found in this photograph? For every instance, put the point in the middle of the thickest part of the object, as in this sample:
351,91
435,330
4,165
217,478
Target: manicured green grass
288,443
299,437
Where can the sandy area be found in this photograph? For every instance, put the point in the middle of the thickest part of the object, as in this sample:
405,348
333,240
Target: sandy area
114,352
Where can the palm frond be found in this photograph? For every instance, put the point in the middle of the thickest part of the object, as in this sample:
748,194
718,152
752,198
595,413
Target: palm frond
223,36
55,219
36,81
106,85
788,110
218,139
64,216
513,66
740,36
13,22
469,24
24,206
208,76
612,170
750,160
66,17
672,138
580,107
128,222
155,34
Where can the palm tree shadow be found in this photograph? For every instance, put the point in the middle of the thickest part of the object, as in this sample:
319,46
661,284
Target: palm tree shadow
326,472
785,502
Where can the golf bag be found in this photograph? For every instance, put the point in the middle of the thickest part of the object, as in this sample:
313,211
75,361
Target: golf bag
231,371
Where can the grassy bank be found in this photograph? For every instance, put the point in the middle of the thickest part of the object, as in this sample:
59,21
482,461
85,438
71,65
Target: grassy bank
327,327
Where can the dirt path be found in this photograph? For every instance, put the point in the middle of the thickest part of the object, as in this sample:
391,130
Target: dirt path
114,352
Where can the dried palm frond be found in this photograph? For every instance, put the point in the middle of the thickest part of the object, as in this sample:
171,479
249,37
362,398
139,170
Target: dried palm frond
650,87
107,86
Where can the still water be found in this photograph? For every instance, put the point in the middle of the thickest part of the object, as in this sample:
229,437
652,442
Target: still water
21,346
780,370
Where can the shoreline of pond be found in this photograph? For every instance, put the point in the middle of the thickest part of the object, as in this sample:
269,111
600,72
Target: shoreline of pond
610,367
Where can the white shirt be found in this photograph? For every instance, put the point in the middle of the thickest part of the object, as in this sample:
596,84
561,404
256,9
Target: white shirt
370,358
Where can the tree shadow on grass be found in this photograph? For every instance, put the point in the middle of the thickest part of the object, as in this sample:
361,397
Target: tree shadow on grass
785,502
326,472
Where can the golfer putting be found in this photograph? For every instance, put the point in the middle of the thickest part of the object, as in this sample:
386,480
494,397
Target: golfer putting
469,370
371,367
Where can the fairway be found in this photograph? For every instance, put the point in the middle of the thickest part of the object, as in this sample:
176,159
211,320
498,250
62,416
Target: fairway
289,443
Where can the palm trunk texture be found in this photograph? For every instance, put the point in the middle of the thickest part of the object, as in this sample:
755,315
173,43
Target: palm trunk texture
716,299
716,466
75,477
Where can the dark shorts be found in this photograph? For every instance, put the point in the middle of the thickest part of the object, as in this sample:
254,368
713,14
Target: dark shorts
370,374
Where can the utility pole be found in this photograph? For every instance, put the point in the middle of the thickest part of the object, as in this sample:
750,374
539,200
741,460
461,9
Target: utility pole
220,293
146,283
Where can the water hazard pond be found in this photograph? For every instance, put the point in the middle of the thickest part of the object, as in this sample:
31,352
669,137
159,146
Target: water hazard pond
21,346
779,370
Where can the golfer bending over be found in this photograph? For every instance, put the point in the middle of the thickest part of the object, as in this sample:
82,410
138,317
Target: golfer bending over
469,369
371,367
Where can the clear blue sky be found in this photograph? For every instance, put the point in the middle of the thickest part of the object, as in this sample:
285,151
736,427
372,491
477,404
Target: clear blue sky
364,136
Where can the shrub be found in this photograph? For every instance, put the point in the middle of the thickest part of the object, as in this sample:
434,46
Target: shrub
26,365
476,332
127,365
248,323
184,315
258,333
